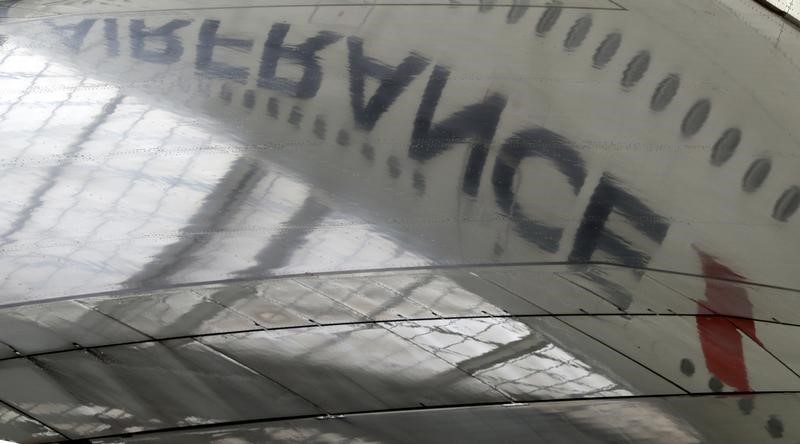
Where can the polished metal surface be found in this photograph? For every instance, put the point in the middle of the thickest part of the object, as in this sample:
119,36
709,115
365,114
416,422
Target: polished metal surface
334,221
139,387
661,420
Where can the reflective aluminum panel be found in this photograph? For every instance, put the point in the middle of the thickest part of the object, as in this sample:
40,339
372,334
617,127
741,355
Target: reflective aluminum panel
419,295
59,326
305,301
139,387
354,368
708,419
170,313
701,354
588,289
7,352
16,427
631,291
533,358
736,299
284,303
778,340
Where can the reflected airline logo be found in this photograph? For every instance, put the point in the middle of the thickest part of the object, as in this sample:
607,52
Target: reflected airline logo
475,125
161,41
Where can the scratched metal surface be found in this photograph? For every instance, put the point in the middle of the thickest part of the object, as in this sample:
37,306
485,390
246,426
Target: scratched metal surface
338,221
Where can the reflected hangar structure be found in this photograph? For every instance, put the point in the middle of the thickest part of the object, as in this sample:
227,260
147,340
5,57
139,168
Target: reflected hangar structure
479,221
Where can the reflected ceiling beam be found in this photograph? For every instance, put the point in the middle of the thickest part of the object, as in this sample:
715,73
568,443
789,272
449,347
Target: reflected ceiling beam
36,199
6,6
24,93
504,353
276,254
53,112
404,293
293,235
215,212
217,208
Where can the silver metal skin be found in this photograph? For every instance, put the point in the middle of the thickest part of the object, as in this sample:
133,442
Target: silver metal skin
259,221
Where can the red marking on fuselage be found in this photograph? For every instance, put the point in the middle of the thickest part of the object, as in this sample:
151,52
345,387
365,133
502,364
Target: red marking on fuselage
720,337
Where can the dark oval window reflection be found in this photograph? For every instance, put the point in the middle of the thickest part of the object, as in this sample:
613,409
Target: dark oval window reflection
636,69
578,33
756,175
726,146
787,204
696,118
548,20
665,92
607,49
